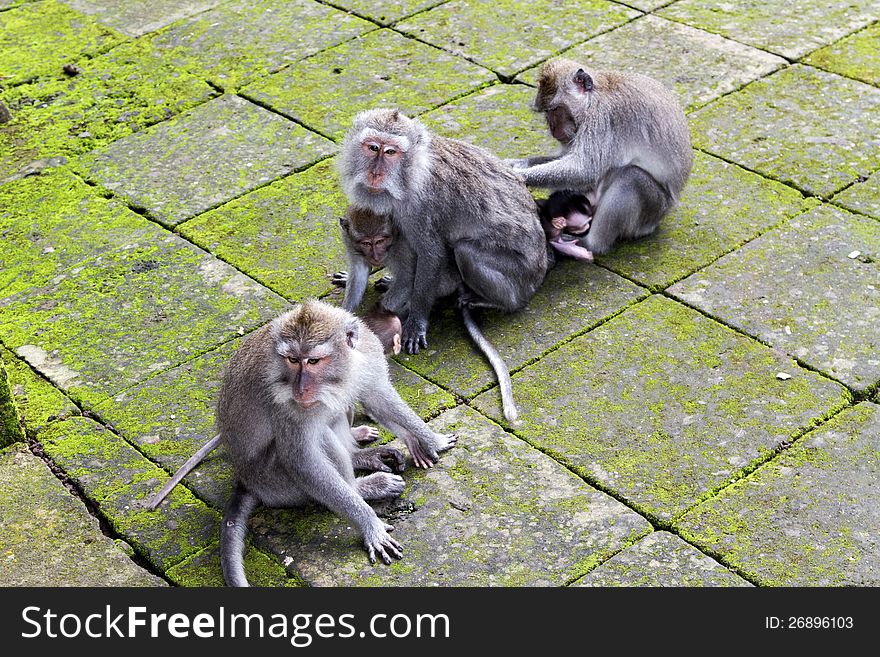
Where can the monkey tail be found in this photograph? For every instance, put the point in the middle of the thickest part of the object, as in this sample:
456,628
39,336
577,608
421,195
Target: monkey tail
495,360
233,529
191,462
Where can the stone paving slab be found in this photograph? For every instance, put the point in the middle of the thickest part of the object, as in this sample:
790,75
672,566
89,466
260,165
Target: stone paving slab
47,536
203,158
722,207
137,17
796,288
121,480
697,65
862,196
493,511
384,12
11,430
39,39
284,235
574,297
807,518
813,129
662,405
661,559
244,40
38,401
789,29
112,321
203,569
115,94
511,35
856,56
381,69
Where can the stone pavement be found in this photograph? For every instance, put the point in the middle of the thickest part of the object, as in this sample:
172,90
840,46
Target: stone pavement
697,408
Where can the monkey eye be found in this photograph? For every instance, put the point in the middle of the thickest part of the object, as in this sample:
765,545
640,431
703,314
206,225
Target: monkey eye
293,359
390,151
314,361
373,147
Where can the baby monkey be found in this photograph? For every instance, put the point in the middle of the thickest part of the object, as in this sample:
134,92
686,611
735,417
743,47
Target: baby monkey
565,217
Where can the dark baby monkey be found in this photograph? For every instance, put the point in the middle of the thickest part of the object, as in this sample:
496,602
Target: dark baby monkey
565,217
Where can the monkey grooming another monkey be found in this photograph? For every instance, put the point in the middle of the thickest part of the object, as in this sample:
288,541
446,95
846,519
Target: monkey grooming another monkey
284,413
566,216
625,145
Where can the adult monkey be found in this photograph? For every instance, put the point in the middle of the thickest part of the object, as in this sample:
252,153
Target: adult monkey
625,144
468,221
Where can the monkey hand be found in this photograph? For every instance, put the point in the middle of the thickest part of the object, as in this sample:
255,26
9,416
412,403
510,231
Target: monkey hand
378,459
426,455
414,335
365,434
378,542
383,284
339,279
516,163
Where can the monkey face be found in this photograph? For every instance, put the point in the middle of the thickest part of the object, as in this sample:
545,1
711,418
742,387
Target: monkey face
374,248
308,370
561,124
383,155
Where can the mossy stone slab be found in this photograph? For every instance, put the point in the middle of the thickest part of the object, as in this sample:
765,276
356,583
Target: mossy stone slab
284,235
138,17
862,196
722,207
40,38
381,69
857,56
121,480
238,42
48,538
574,297
493,511
10,424
789,29
662,405
203,569
815,130
796,288
807,518
698,66
510,35
661,559
38,401
115,94
499,118
384,12
113,321
207,156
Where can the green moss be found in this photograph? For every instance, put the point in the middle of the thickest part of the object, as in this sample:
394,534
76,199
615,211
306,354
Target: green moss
203,569
856,56
10,427
39,403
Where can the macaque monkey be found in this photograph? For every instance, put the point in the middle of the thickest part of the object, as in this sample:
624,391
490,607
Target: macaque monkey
387,328
368,238
625,145
284,414
565,217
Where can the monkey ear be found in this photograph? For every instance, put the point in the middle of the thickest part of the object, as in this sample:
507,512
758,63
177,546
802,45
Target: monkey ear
583,80
352,329
343,221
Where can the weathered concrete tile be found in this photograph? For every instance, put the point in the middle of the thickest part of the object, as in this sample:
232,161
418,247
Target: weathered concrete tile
574,297
796,288
863,196
203,569
117,93
380,69
38,39
493,511
697,65
37,401
663,405
647,5
284,235
498,118
241,41
722,207
137,17
112,321
856,56
807,518
787,29
203,158
816,130
511,35
48,537
121,480
11,430
384,12
661,559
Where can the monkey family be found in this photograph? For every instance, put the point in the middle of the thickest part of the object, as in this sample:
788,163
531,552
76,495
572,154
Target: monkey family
445,218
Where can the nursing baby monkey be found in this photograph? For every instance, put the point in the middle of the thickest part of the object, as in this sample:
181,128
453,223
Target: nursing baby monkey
624,144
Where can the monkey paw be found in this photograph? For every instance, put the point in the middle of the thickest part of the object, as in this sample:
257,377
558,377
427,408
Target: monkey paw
339,279
383,284
516,163
378,542
426,455
379,459
414,335
364,434
379,485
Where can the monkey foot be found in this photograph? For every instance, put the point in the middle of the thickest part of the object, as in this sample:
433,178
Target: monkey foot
364,434
573,250
339,279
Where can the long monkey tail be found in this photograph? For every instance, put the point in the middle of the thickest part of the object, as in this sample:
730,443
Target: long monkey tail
191,462
233,529
495,360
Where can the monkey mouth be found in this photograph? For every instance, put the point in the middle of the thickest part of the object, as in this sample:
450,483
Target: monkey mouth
307,403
